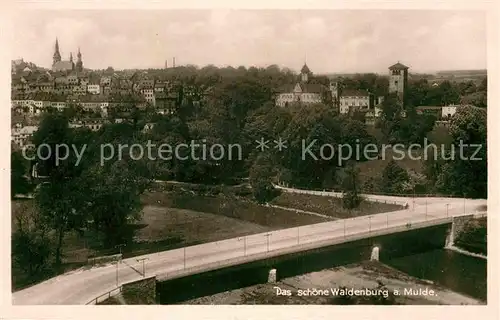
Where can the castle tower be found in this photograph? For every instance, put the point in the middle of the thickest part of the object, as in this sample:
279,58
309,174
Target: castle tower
79,62
398,79
57,55
305,73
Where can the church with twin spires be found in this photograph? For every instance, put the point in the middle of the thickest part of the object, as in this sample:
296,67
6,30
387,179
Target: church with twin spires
66,65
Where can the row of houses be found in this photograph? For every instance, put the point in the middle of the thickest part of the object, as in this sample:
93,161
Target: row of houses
89,83
23,135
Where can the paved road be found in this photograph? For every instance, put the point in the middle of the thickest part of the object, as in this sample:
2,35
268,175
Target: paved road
81,286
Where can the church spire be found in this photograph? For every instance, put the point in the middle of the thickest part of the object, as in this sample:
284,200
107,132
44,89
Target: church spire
57,56
79,63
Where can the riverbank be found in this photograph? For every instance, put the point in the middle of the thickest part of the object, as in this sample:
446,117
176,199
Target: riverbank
473,237
384,284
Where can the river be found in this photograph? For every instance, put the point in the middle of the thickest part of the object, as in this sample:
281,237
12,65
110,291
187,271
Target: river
418,253
453,270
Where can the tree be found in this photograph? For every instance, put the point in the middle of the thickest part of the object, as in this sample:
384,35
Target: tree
466,174
18,181
112,199
371,184
30,242
414,128
390,117
478,99
73,195
56,201
54,198
484,85
393,178
355,134
351,187
261,174
311,127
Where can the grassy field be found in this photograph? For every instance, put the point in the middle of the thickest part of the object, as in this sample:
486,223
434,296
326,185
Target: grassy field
331,206
232,207
373,168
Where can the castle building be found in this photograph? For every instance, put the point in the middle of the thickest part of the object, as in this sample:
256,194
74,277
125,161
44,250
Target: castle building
65,65
301,92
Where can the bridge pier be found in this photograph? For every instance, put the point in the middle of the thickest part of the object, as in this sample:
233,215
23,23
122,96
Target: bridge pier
375,254
272,276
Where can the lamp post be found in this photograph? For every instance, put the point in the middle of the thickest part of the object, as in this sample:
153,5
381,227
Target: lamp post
184,258
426,206
117,273
464,203
244,245
119,246
298,235
143,267
369,224
447,205
268,235
344,228
413,197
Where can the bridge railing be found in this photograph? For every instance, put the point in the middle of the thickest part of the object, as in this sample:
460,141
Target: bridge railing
105,296
303,242
215,255
339,193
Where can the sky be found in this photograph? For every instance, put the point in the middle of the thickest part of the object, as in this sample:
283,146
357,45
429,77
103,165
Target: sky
330,41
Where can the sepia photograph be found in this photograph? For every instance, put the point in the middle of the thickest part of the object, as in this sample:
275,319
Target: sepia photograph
248,157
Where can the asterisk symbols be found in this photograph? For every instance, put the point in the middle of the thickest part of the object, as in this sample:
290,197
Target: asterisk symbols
280,144
262,144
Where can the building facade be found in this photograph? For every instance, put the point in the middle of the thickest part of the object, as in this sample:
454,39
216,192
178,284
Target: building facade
59,65
301,92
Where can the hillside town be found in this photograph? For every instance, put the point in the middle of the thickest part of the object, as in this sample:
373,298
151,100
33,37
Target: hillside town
209,157
104,96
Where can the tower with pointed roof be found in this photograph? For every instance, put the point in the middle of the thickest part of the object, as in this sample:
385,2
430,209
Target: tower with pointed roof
79,63
305,73
57,55
398,79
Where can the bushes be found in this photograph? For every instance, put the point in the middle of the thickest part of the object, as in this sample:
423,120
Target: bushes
264,191
31,244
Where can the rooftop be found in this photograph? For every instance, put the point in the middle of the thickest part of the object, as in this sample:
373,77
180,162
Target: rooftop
398,66
354,93
305,69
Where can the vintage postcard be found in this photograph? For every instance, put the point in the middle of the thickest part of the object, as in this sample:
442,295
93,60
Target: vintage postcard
318,157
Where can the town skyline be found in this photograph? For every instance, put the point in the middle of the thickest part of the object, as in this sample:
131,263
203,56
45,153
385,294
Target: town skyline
334,41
